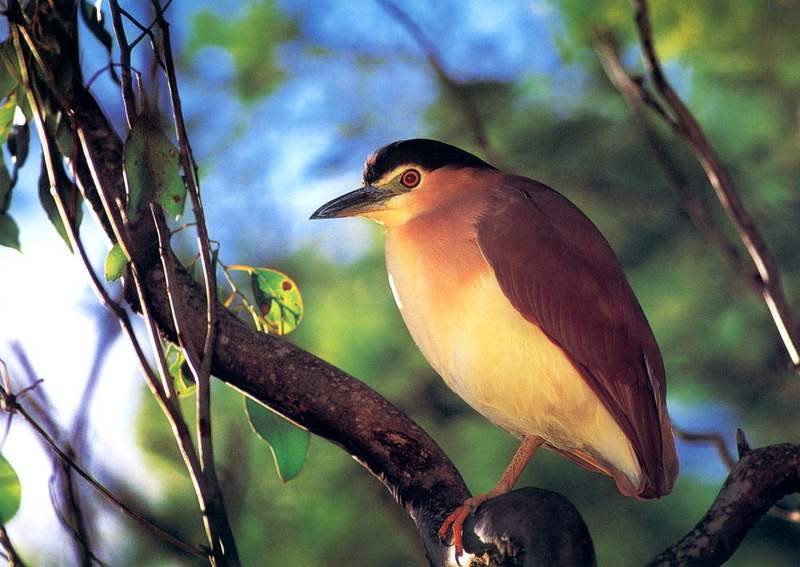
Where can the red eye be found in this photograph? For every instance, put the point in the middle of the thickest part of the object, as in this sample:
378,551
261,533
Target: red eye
410,178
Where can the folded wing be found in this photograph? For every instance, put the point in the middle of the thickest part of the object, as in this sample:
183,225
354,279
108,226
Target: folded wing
560,273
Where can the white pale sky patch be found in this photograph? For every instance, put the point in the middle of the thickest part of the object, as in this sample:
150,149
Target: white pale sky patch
45,307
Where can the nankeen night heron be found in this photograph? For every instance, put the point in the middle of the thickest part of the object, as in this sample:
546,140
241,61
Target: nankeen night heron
517,300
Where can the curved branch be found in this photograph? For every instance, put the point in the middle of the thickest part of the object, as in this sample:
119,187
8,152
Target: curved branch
761,478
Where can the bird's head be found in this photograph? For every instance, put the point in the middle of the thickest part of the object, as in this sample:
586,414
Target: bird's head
401,178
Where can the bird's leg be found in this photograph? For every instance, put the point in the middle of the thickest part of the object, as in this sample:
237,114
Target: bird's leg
507,481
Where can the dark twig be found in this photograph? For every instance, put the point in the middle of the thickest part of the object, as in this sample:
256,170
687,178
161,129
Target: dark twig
11,554
128,96
729,460
77,447
96,75
710,437
688,128
199,362
147,31
201,365
69,510
742,444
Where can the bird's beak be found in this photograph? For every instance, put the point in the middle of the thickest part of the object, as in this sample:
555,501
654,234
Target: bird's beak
362,200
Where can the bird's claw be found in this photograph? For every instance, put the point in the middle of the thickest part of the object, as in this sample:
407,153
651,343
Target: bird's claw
456,520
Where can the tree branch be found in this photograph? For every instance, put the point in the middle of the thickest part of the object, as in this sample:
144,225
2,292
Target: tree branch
759,479
638,99
199,361
111,198
9,402
688,128
11,554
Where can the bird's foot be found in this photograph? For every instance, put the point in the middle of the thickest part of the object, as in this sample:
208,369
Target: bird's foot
457,518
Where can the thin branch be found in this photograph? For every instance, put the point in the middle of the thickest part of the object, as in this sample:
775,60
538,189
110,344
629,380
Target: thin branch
205,483
77,447
164,392
147,31
708,437
637,98
128,96
10,403
716,440
721,181
199,365
12,556
202,374
69,513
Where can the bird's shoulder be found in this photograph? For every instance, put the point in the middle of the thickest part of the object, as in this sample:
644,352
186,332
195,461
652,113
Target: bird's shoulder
560,273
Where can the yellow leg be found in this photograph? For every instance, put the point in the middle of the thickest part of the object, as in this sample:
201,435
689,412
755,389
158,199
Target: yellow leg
506,483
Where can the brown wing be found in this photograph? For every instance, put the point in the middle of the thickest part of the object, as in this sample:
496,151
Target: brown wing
559,271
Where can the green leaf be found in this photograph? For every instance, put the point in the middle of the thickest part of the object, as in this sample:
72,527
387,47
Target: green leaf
8,82
73,199
174,198
252,38
9,232
278,298
7,110
288,442
64,140
151,170
94,21
116,262
179,370
10,491
5,187
8,55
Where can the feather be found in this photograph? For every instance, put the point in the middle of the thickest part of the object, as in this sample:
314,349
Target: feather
560,273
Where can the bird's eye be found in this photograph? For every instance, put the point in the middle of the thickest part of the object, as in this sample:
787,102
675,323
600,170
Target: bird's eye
410,178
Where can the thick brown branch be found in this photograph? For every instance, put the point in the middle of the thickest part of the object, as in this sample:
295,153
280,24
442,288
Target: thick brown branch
760,478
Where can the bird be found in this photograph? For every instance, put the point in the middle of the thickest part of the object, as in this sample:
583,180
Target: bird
520,304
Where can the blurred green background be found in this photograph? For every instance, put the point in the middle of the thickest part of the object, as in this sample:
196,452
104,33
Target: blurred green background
286,99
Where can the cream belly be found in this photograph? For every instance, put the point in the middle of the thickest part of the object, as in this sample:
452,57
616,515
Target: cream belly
499,363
